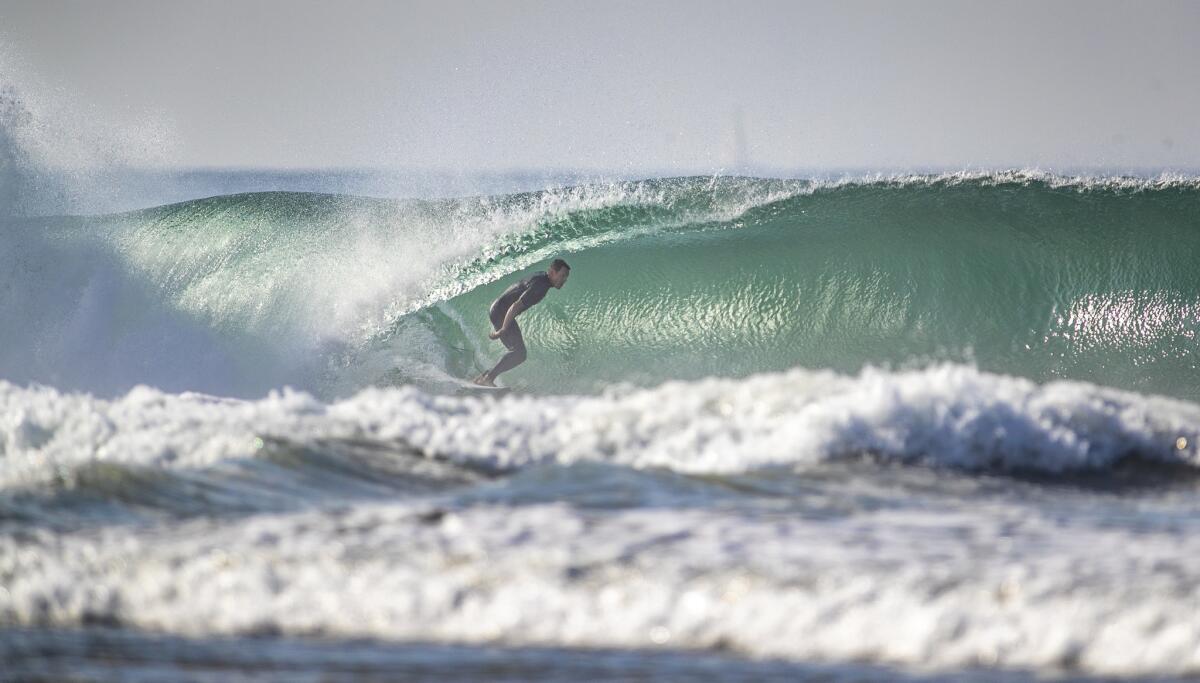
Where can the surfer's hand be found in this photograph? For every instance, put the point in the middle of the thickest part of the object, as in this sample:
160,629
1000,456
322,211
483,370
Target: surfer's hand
494,335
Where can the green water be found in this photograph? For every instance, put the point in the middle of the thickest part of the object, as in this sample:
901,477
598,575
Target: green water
678,278
1025,279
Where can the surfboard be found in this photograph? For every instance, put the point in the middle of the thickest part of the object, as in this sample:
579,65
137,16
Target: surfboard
465,387
472,389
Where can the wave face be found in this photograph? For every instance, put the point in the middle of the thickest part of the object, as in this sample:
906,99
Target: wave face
1021,277
1028,275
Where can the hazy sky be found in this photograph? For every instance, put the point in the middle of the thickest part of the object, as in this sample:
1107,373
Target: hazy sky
628,85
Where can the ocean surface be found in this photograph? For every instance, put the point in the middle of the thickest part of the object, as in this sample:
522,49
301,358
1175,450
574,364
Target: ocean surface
932,427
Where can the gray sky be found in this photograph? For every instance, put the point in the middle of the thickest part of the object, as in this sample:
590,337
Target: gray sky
628,85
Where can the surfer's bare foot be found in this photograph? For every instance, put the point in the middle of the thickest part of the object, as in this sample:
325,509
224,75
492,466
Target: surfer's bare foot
484,381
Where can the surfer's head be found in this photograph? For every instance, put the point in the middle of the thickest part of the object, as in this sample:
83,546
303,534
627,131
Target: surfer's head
559,270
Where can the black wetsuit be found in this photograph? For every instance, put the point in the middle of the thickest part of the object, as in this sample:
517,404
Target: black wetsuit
529,291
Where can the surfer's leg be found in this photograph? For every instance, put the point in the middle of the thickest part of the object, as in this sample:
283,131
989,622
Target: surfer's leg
515,343
496,316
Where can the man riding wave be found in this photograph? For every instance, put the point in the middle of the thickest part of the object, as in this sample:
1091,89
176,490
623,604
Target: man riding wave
505,309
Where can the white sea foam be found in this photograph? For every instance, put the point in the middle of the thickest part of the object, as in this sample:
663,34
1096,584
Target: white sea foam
919,576
932,584
947,415
1084,181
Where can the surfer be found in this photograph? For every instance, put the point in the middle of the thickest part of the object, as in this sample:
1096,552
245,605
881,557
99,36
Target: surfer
504,311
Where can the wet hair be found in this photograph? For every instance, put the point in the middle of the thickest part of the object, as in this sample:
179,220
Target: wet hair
559,264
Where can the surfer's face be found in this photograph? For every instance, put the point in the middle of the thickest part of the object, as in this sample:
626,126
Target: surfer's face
558,277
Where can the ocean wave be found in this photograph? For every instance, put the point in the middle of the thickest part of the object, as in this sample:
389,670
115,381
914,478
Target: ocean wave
941,584
1024,273
943,416
1008,272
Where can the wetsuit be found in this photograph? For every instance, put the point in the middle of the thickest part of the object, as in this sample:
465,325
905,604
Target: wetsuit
528,291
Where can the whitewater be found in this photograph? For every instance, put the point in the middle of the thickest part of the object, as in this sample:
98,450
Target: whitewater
928,427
